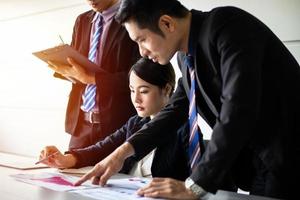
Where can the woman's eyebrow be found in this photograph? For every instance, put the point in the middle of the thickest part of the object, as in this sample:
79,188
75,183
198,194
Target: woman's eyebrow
140,86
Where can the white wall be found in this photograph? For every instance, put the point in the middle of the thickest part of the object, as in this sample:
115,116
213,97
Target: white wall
32,102
282,16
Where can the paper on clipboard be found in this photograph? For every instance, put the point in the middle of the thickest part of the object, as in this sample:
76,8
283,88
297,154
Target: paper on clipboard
61,53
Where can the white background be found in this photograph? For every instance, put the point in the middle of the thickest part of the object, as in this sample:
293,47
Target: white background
32,102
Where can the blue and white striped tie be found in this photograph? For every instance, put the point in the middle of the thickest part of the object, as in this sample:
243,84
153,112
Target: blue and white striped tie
194,139
90,90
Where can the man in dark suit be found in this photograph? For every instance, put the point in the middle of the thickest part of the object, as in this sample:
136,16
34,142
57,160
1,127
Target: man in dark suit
247,89
115,55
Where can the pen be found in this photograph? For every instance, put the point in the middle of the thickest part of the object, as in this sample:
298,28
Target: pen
46,157
61,39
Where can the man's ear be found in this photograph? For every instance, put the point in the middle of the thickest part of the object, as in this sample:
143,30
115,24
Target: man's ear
167,23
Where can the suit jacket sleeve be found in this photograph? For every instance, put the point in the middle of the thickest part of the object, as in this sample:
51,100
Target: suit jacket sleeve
164,126
95,153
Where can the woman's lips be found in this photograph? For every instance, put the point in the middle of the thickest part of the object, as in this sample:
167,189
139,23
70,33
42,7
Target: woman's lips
139,108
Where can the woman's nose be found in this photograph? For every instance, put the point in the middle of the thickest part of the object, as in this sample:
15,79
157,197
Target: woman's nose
137,98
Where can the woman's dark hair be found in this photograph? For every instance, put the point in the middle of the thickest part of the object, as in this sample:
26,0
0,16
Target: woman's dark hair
154,73
146,13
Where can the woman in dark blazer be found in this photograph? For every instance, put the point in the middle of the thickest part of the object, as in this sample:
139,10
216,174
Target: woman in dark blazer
151,86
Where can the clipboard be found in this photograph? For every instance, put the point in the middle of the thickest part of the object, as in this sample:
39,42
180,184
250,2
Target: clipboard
60,54
19,162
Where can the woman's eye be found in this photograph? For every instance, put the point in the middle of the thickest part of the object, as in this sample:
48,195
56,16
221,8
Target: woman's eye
144,92
131,91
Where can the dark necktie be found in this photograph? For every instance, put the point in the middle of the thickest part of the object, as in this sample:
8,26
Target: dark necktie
90,90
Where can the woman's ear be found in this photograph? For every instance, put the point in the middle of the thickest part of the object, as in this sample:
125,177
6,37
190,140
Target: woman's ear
168,90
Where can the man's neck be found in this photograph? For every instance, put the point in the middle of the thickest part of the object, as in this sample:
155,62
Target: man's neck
185,25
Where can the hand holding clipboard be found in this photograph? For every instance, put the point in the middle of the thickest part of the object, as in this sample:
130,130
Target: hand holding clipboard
60,56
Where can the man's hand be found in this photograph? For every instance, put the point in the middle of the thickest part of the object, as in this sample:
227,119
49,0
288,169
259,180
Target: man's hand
74,70
166,188
109,166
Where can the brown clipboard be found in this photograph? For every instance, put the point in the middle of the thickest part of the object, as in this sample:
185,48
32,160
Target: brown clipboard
60,54
19,162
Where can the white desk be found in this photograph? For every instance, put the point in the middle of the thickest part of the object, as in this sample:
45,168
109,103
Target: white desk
10,189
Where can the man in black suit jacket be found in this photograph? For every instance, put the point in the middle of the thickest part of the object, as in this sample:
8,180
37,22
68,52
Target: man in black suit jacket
248,91
113,98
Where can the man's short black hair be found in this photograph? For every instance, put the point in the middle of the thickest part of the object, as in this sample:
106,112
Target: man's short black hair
146,13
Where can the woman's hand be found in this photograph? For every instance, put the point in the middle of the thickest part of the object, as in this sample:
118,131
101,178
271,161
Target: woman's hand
58,160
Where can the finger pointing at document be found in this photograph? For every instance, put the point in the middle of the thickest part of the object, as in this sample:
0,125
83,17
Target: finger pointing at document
109,166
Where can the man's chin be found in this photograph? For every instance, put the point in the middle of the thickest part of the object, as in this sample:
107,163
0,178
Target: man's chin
162,62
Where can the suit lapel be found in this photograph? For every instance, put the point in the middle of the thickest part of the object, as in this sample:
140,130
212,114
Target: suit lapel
85,31
202,90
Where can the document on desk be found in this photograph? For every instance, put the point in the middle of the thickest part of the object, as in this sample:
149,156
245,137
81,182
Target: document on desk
124,188
50,180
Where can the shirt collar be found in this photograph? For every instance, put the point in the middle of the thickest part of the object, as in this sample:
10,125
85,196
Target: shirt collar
107,14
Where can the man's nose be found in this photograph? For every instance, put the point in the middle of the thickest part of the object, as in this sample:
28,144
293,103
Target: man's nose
144,52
